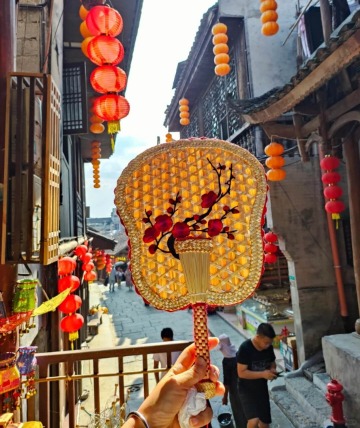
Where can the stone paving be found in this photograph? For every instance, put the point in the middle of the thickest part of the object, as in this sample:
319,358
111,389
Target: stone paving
130,322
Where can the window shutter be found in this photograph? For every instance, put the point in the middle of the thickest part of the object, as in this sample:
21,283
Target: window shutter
75,110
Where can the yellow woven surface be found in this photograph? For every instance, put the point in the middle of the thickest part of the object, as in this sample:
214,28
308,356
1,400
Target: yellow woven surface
183,167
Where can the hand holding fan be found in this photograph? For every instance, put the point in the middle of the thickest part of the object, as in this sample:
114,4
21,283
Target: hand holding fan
193,211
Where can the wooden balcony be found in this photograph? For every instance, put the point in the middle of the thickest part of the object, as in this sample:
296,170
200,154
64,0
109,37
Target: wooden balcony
61,374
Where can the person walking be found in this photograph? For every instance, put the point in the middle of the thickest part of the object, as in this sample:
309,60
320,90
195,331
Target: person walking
112,279
230,380
167,335
255,366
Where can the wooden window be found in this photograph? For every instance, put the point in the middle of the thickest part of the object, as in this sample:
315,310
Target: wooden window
30,227
75,99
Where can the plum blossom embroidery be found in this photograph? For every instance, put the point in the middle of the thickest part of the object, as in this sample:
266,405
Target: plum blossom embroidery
162,230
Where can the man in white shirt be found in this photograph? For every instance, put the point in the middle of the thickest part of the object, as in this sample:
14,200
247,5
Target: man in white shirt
167,335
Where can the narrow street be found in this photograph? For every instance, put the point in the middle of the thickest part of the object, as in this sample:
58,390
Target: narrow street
130,322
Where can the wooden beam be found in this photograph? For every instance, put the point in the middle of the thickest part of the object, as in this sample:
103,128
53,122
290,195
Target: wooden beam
343,56
333,112
298,121
279,130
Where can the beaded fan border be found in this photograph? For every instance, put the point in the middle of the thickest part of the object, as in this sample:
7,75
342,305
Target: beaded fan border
126,214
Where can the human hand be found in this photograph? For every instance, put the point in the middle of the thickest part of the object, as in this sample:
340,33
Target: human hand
269,375
162,406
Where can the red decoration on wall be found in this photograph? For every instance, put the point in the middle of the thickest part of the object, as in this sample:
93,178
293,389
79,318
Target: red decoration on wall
270,248
71,324
66,265
108,78
69,281
104,20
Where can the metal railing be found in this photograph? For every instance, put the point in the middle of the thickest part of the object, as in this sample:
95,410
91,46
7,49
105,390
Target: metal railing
66,364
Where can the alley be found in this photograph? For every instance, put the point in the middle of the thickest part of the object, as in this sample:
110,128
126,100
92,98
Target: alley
130,322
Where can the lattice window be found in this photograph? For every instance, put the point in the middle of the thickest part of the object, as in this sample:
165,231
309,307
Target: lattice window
219,120
193,129
30,227
75,99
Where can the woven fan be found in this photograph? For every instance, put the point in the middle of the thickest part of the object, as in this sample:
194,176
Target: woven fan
193,211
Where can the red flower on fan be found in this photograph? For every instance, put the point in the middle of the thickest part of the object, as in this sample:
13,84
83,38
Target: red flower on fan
181,230
150,235
163,228
163,223
209,199
214,227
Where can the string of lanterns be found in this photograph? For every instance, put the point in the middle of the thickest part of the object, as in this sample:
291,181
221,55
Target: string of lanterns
95,156
184,112
270,238
275,161
269,17
220,49
332,191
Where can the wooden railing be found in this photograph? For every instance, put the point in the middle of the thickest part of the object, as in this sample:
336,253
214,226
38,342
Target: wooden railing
67,363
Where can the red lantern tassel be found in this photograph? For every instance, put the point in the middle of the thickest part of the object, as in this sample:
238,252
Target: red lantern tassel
114,126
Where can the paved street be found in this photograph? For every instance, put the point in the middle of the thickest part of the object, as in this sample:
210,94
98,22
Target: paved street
131,322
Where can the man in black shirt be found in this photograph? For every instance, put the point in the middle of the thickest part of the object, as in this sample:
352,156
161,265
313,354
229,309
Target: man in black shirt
255,366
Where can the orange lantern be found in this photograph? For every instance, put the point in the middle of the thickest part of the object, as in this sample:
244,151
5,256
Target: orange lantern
96,119
275,161
274,149
105,50
90,276
108,78
97,128
269,17
104,20
84,31
112,108
84,45
276,174
83,12
184,111
221,49
169,138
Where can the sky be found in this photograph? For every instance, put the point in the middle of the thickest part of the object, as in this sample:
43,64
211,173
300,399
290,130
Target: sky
166,33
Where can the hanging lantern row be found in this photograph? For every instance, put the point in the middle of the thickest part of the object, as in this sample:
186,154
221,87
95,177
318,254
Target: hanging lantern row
221,49
169,138
332,192
96,155
184,112
100,259
275,161
269,17
101,26
270,247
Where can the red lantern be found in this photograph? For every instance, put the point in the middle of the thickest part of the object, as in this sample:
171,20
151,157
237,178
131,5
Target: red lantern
331,177
333,192
71,324
270,248
335,208
105,50
86,258
69,281
90,276
270,237
66,265
108,78
329,163
80,250
270,258
88,267
104,20
71,304
111,107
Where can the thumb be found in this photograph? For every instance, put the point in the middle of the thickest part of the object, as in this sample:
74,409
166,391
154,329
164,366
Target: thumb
194,374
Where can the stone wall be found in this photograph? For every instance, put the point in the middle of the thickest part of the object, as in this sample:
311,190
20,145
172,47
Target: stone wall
342,360
296,213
